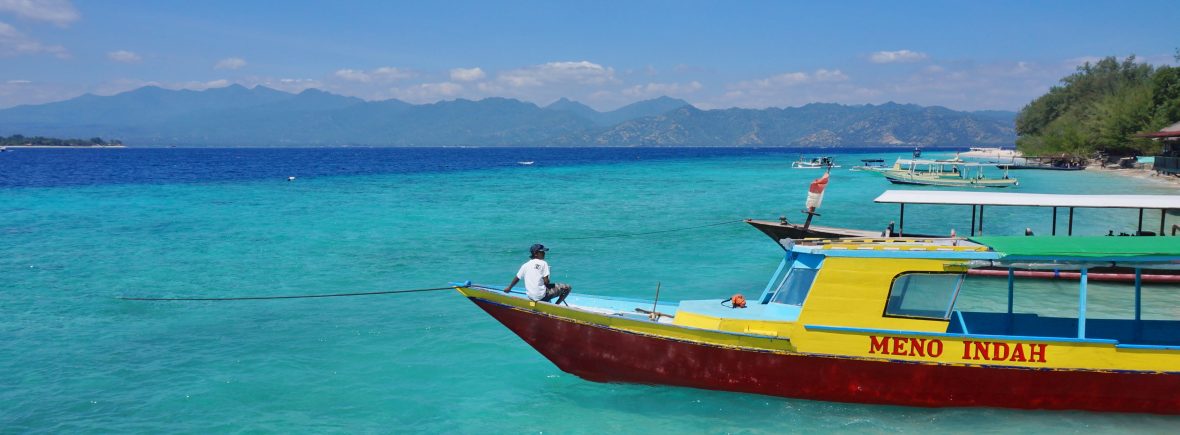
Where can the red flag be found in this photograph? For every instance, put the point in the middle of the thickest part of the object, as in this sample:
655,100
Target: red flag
815,193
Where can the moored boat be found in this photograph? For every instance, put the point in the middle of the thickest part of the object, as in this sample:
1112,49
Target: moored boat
942,173
870,165
872,321
815,163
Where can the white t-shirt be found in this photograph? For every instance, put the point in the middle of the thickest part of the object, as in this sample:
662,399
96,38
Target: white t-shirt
533,274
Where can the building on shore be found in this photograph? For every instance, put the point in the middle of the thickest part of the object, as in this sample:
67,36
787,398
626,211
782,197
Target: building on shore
1168,162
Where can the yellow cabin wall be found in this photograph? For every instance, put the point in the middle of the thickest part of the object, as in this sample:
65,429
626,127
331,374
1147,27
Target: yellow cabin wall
852,292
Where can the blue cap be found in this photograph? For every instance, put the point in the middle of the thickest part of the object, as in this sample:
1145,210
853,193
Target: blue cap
533,250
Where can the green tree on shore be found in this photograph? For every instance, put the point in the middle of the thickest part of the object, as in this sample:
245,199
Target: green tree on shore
1100,108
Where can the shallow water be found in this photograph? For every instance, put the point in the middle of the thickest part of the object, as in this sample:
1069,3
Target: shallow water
78,228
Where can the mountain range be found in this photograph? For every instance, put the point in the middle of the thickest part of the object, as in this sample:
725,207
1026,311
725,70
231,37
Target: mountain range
240,116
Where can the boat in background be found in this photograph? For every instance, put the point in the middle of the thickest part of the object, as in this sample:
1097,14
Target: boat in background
782,230
944,173
815,163
870,165
1061,163
880,322
526,163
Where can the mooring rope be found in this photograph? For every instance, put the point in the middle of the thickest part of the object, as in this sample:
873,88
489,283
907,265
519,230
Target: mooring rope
259,298
652,232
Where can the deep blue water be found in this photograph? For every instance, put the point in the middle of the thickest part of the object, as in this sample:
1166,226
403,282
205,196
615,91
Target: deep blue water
51,167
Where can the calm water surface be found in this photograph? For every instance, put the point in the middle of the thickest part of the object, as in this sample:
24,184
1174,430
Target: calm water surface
81,227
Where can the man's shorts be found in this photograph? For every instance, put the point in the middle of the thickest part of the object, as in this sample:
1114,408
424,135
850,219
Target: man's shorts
559,290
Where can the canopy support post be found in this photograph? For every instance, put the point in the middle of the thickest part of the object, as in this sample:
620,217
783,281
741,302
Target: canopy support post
1082,304
972,220
1140,230
1011,281
1138,293
901,222
1070,230
1054,221
1163,214
981,219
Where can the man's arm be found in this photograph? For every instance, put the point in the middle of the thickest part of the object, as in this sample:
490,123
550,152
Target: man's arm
514,281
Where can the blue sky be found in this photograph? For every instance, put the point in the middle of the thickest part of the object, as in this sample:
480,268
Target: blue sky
962,55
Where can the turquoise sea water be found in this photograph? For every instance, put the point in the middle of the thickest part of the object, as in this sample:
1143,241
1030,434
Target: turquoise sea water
75,359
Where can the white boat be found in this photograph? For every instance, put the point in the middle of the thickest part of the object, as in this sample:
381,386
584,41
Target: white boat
944,173
871,165
526,163
815,163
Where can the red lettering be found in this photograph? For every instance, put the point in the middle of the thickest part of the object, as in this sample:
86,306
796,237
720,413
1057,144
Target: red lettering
967,349
980,350
918,345
1000,356
1018,353
933,350
899,346
881,346
1036,352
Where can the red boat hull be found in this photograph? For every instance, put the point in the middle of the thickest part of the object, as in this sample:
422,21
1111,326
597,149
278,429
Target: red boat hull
604,354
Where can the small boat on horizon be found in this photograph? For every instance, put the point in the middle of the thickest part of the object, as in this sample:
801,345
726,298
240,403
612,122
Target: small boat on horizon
873,165
815,163
526,162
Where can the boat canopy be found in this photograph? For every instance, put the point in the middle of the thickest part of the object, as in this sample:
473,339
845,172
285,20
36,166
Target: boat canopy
1029,199
1104,247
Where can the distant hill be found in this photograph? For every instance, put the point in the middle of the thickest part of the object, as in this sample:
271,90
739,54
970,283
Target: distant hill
239,116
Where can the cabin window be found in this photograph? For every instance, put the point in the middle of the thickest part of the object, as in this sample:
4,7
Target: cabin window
923,295
793,290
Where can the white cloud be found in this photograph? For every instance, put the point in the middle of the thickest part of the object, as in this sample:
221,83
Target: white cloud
467,74
19,82
898,56
662,89
15,43
583,73
786,80
124,56
352,75
230,63
824,75
383,74
428,92
59,12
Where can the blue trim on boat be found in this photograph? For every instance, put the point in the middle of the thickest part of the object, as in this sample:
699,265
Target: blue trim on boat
962,323
641,318
1146,347
898,253
943,334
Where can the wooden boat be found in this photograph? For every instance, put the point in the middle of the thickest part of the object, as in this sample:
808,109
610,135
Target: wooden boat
978,201
943,173
870,165
781,229
872,321
815,163
1044,163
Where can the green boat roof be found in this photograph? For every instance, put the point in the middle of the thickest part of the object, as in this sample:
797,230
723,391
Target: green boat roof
1086,247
